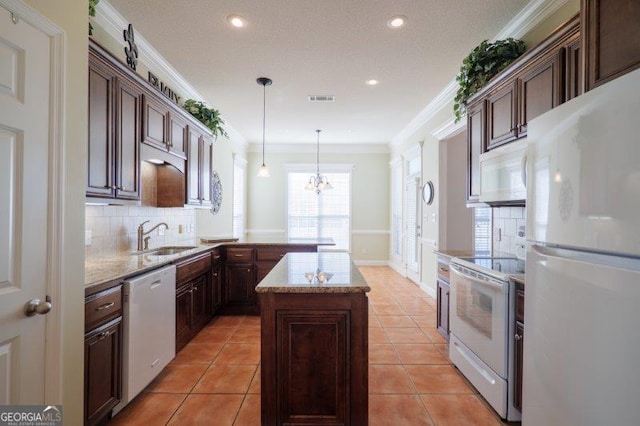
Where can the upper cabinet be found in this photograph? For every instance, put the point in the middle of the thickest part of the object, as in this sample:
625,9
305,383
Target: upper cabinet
113,161
611,36
538,81
200,157
124,111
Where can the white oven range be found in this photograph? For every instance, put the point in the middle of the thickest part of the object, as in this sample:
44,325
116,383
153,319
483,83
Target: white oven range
482,326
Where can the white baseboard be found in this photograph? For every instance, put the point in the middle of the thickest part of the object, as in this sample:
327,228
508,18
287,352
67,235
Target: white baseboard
398,268
371,262
428,289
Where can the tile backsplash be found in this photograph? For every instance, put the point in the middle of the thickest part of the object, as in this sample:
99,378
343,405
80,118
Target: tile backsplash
111,230
506,221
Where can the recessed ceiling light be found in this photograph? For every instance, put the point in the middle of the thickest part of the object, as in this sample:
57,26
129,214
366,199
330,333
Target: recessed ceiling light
372,82
236,20
397,21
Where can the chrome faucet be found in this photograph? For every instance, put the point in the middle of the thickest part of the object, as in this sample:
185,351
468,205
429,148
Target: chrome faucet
142,233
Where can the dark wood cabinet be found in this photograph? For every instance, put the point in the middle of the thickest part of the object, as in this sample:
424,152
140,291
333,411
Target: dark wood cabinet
314,359
442,299
518,347
200,160
574,70
102,354
611,39
240,286
476,139
217,278
245,267
113,160
155,127
178,136
539,89
502,115
193,297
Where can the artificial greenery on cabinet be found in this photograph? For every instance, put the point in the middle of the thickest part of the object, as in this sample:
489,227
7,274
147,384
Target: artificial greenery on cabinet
208,116
484,62
92,13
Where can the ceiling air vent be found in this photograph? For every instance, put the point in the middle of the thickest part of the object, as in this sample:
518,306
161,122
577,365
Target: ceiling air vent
322,98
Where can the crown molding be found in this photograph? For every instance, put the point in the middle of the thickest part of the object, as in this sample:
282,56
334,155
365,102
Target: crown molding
110,20
450,128
305,148
529,17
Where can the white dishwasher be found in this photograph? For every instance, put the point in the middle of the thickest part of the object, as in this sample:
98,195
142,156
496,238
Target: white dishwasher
149,341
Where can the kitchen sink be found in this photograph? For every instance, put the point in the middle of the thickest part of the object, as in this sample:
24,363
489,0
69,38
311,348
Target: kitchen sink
167,250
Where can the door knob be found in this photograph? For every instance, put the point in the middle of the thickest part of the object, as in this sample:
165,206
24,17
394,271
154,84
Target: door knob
36,306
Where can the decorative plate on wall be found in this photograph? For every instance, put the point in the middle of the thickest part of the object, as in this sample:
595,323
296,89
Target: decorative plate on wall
216,193
428,192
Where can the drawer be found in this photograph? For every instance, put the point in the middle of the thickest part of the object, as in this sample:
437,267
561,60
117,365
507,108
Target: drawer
193,267
443,271
520,306
236,254
271,253
102,307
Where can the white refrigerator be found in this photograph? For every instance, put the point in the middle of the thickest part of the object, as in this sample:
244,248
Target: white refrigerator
582,293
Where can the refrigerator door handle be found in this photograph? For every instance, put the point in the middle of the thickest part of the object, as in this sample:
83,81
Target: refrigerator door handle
523,169
613,261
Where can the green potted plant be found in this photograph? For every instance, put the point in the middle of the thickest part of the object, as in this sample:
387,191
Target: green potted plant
92,13
484,62
208,116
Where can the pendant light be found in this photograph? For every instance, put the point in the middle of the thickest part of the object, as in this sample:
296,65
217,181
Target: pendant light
264,82
318,182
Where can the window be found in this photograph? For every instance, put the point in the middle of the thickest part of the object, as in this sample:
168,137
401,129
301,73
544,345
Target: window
324,215
482,230
239,185
396,209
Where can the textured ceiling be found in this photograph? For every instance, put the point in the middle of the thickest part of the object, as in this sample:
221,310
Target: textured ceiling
318,47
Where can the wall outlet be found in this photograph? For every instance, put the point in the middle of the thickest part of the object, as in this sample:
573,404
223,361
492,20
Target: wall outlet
161,230
87,237
364,251
190,228
181,229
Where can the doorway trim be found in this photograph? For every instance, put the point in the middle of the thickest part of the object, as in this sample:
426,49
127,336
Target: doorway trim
55,246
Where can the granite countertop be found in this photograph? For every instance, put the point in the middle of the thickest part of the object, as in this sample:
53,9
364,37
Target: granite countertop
101,270
322,272
471,253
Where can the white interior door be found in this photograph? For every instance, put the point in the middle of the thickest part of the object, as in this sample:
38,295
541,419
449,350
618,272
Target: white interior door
412,208
24,188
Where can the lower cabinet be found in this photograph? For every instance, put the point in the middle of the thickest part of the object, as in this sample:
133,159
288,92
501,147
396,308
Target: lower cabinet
193,297
217,278
240,283
102,354
443,290
519,346
443,308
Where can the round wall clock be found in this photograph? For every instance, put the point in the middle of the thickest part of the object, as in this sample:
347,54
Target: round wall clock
428,192
216,193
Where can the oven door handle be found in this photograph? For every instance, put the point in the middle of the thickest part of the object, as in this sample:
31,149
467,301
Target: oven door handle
488,282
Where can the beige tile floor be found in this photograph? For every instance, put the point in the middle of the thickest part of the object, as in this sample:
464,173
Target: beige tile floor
215,379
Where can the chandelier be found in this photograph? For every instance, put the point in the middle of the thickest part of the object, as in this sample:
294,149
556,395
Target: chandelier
318,182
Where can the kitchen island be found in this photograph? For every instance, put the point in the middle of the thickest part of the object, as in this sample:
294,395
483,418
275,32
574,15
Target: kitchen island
314,343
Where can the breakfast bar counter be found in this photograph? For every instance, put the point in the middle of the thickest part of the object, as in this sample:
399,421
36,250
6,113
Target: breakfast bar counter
314,343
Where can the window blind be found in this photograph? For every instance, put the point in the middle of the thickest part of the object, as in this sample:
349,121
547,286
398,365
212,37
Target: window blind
482,230
324,215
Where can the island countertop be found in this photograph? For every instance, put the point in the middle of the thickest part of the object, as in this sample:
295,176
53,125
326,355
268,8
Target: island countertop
322,272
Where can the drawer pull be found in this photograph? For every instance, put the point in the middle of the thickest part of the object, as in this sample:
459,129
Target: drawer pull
105,306
238,255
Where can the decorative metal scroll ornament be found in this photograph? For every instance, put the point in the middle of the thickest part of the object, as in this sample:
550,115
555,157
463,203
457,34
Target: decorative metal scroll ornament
132,50
216,193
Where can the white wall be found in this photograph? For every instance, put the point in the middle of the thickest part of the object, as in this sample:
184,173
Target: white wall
267,198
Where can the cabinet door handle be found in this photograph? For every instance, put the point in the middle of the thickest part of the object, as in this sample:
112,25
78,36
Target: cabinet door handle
447,293
444,269
215,274
105,306
191,291
104,335
248,270
238,255
517,337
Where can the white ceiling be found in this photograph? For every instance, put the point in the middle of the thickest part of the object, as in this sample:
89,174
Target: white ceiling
318,47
